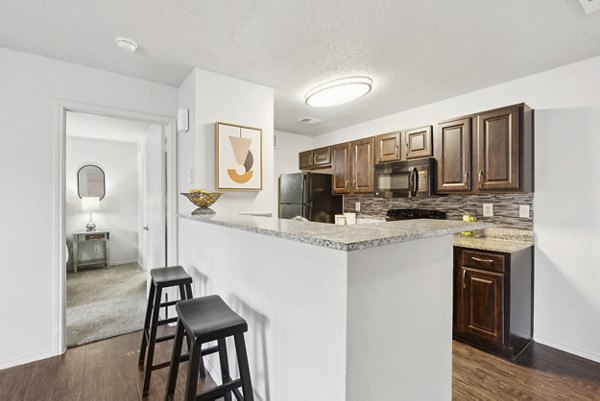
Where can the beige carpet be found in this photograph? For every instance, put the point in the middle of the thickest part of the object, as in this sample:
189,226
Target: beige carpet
105,302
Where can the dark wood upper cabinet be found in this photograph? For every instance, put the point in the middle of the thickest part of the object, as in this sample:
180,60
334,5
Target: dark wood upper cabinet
315,159
490,151
498,149
388,147
363,171
352,167
305,160
341,168
419,142
322,157
453,154
504,157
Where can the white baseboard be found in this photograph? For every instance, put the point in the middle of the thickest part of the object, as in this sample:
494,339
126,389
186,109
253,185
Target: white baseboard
22,361
123,262
567,348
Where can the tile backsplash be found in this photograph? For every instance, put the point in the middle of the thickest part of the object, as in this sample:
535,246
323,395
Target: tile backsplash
506,207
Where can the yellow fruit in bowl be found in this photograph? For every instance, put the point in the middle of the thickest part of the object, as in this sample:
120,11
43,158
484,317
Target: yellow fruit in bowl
473,218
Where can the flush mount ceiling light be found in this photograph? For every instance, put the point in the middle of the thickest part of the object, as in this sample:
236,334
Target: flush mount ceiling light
339,91
126,44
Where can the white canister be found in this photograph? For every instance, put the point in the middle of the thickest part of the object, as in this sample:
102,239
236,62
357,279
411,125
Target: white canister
350,218
340,219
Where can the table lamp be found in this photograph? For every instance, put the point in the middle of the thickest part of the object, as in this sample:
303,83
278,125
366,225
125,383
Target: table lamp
90,204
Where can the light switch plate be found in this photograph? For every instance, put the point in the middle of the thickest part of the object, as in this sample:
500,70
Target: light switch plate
488,210
524,211
357,206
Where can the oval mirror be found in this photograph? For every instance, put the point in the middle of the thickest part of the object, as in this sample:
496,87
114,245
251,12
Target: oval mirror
90,182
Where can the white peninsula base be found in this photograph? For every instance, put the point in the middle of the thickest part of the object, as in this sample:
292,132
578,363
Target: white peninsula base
367,325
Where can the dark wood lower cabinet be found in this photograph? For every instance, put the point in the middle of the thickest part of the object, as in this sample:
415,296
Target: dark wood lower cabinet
493,300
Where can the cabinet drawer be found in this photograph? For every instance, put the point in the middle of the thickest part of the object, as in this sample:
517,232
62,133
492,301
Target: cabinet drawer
95,236
482,260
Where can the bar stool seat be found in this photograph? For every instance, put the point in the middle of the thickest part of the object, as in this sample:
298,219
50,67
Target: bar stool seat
171,276
210,318
204,320
161,279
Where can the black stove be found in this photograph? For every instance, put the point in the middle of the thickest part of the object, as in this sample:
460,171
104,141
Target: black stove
411,214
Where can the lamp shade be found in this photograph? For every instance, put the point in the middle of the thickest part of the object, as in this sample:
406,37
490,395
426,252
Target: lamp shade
90,204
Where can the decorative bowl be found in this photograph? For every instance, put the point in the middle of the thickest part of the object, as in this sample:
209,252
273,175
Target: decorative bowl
203,200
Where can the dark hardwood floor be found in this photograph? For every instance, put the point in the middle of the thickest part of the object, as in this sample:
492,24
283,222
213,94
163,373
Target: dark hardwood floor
540,373
108,370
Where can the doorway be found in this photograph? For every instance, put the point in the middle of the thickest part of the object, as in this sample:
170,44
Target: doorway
134,220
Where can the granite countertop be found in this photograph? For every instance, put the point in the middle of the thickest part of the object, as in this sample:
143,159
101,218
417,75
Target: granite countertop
491,244
498,240
341,237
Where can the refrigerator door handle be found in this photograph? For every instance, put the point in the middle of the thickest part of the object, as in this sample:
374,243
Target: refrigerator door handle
307,211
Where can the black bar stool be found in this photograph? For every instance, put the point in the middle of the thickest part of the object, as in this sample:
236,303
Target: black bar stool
162,278
204,320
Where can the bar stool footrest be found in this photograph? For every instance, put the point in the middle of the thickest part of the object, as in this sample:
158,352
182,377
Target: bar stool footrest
170,303
183,358
167,321
219,391
210,350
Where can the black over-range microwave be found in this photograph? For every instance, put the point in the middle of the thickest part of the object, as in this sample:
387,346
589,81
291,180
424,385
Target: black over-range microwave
405,179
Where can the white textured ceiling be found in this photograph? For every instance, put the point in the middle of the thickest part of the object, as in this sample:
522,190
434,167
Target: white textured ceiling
84,125
417,51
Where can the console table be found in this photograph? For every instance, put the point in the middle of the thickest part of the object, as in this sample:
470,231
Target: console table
86,239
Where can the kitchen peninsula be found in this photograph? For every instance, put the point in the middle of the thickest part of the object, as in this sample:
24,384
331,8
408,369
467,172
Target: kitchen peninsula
361,312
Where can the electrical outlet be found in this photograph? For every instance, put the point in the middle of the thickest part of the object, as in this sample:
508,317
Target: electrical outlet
524,211
357,206
488,210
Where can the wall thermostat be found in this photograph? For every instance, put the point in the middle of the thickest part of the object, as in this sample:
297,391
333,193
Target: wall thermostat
183,120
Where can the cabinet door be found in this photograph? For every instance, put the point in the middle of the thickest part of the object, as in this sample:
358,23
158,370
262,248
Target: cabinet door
419,142
322,157
363,168
453,154
498,149
482,299
341,168
457,294
387,147
305,160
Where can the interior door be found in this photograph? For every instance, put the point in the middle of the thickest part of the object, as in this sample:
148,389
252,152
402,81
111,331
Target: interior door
154,229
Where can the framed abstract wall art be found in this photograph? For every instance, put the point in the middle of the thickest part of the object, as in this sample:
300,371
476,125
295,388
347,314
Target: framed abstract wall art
239,157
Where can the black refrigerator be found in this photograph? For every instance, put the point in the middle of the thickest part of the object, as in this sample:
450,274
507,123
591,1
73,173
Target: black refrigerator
308,195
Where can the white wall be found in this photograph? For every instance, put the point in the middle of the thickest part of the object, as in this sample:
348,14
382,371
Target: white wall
119,208
286,153
212,97
32,86
286,157
567,122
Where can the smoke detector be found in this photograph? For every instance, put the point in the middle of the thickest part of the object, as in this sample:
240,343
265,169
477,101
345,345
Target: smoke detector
590,6
309,120
126,44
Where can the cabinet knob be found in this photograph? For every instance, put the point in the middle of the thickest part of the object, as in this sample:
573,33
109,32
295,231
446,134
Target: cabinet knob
466,176
480,178
145,228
